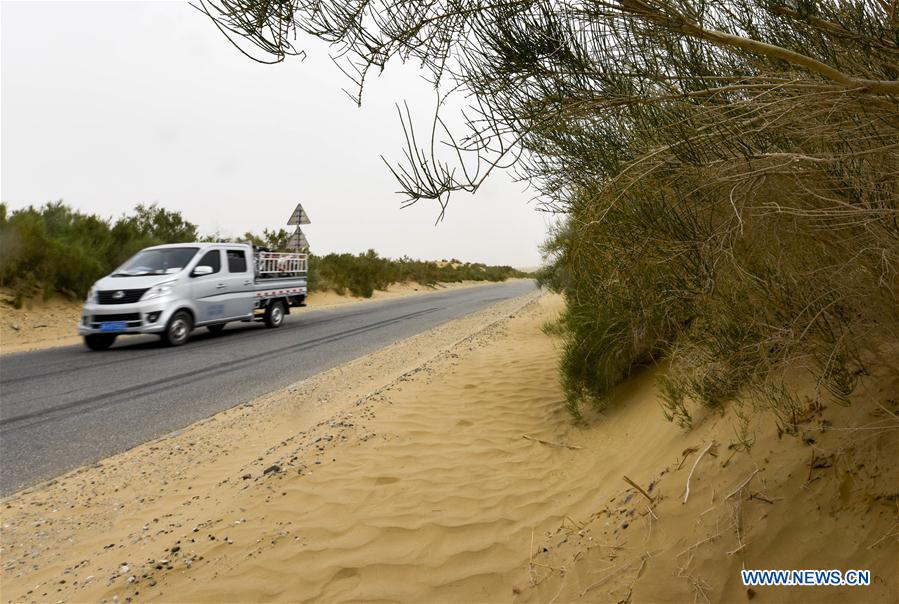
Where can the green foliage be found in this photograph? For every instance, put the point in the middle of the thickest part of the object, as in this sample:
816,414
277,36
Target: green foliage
628,289
732,303
276,241
54,248
362,274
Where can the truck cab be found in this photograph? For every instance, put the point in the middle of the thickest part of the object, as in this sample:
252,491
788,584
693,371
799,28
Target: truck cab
169,290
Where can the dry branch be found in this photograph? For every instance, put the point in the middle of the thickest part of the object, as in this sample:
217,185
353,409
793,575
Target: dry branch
742,484
550,443
639,488
693,469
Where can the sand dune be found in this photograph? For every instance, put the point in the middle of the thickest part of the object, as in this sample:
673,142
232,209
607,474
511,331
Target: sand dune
464,480
439,505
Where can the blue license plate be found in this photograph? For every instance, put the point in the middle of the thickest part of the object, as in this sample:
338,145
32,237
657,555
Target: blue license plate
113,326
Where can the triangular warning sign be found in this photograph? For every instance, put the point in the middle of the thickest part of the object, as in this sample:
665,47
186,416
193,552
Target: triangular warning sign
299,216
298,240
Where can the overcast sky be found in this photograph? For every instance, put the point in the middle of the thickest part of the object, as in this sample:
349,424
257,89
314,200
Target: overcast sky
106,105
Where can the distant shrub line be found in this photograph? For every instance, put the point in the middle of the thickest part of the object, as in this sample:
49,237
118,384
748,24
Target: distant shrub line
362,274
56,250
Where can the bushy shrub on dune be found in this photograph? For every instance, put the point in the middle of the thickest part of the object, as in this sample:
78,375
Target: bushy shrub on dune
362,274
736,301
55,249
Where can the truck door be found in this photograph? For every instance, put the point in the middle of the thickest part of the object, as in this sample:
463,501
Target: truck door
210,291
241,293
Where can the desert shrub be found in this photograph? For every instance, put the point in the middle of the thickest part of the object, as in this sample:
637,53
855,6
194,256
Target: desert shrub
734,298
55,249
362,274
276,241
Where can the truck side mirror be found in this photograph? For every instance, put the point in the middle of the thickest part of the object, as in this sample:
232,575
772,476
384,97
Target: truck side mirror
202,270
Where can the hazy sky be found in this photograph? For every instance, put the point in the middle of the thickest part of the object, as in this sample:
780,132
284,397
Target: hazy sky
107,105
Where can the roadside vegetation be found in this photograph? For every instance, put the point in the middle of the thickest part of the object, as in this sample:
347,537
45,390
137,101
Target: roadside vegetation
362,274
724,172
56,250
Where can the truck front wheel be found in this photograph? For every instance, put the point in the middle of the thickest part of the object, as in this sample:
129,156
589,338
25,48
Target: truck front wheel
178,329
274,314
99,341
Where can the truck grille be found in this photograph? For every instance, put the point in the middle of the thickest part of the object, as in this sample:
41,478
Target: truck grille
128,296
131,319
125,316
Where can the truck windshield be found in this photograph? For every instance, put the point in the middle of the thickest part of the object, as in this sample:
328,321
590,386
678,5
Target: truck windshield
162,261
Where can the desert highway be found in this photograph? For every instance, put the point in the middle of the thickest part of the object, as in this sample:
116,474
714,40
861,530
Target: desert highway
67,407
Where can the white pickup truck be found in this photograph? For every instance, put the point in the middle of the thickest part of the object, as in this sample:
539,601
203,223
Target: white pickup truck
169,290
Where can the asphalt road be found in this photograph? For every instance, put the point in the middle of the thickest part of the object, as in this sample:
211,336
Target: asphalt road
67,407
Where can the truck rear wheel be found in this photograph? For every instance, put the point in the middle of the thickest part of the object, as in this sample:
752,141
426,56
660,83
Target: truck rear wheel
99,341
178,329
274,314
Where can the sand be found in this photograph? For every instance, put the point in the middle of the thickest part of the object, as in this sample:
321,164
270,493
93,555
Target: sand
40,325
444,468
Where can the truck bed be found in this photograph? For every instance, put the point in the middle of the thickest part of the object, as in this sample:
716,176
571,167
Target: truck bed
267,285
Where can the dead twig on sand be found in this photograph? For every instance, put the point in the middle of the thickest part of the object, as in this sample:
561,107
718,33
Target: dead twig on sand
550,443
704,541
729,457
577,525
531,573
561,587
687,452
890,413
648,518
759,497
890,533
559,569
643,559
601,545
738,526
693,469
700,587
630,588
601,581
639,488
742,484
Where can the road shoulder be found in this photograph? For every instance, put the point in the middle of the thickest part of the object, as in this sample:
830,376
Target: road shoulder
135,499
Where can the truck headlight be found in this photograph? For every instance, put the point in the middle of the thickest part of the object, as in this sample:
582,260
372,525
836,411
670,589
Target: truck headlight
91,296
158,291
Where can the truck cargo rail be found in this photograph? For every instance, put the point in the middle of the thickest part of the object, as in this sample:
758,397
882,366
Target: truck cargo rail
279,264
